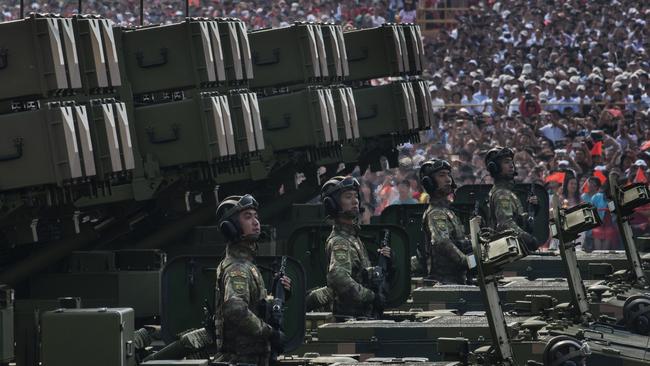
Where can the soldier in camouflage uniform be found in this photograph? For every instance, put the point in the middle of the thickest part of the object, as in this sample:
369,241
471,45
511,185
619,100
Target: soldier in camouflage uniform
505,209
444,258
246,338
348,258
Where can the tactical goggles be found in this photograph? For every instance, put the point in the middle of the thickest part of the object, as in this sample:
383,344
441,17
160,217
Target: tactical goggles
440,164
244,203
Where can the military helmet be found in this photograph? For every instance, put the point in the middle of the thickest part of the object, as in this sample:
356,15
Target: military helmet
332,189
227,215
565,351
493,158
428,169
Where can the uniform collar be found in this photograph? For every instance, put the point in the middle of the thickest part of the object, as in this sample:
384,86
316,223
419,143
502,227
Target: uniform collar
242,250
504,183
352,230
439,201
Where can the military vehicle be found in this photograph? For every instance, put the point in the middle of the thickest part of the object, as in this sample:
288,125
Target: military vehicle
607,344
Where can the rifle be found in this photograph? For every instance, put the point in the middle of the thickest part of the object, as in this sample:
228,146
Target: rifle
530,222
274,308
377,278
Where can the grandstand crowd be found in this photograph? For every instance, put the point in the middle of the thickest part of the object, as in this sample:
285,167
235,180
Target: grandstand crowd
564,83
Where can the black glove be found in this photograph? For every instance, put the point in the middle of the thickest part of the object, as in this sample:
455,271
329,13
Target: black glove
278,340
465,246
530,242
380,302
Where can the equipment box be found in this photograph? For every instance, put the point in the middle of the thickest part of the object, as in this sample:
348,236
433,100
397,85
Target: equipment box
386,109
100,337
44,55
38,57
308,118
191,54
204,128
302,53
41,147
98,57
377,52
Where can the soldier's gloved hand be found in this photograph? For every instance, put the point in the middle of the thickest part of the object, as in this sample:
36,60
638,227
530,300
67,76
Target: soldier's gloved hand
530,242
465,246
380,301
277,340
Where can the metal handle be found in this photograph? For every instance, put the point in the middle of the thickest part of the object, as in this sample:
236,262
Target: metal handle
283,123
272,60
3,58
358,57
139,55
18,144
162,140
374,111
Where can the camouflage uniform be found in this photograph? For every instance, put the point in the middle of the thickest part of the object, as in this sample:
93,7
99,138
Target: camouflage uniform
245,334
348,259
506,210
444,232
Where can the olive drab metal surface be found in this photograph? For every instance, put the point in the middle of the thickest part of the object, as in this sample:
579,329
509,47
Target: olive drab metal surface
187,281
377,52
300,54
313,117
307,245
112,133
101,336
97,53
392,108
38,57
415,48
6,323
195,53
200,128
47,146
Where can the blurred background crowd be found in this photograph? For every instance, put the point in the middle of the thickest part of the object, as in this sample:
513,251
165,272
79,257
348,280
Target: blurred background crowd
564,83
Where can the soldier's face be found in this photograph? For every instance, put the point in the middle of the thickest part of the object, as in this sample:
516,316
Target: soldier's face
349,201
443,181
507,167
249,222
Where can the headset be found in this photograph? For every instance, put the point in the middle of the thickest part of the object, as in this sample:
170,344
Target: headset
493,157
226,212
332,189
426,174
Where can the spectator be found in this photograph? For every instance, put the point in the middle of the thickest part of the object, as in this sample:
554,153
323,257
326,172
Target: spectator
405,195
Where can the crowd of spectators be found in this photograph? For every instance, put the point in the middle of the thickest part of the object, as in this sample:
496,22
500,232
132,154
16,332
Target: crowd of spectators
256,13
564,83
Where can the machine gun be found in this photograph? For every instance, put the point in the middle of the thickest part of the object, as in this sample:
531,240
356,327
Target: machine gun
377,278
274,308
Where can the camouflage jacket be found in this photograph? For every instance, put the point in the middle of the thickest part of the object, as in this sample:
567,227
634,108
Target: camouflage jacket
446,237
506,210
348,259
245,334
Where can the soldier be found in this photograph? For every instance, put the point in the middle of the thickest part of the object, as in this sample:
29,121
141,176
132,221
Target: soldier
505,209
240,290
348,258
444,258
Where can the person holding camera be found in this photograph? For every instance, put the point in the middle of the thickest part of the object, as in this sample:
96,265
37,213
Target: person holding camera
240,290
